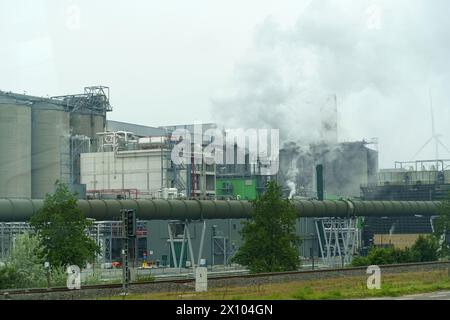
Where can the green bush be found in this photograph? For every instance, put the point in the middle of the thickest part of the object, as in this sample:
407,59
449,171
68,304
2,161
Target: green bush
58,277
360,262
9,278
25,267
424,249
26,260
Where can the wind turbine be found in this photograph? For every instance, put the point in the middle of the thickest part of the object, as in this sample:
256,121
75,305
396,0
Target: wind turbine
436,137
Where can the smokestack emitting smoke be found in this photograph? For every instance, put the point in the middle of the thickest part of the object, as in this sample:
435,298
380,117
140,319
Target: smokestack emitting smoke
320,182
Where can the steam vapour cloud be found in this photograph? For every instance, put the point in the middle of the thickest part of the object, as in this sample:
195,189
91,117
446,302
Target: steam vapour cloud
380,58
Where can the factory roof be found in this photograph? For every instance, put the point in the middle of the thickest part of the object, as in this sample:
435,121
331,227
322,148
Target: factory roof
139,130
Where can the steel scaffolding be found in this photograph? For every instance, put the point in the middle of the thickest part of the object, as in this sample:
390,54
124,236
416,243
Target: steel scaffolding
102,232
339,240
186,239
106,232
8,234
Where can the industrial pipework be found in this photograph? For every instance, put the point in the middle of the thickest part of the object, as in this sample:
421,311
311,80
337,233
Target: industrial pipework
20,210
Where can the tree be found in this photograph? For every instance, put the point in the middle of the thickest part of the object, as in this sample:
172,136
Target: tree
425,249
442,226
270,239
62,229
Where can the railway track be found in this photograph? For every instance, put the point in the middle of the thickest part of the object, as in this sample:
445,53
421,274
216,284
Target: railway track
185,280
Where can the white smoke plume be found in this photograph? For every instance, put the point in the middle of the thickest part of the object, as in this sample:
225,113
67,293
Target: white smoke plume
292,177
380,57
293,188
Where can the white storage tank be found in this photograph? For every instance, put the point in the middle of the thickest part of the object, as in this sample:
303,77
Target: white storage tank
15,148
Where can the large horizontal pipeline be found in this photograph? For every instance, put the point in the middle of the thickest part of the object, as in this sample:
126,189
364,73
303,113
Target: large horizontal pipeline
20,210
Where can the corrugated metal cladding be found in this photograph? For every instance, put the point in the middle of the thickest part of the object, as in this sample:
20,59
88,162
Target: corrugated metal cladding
15,146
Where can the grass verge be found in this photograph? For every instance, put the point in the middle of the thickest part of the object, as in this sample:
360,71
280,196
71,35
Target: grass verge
393,285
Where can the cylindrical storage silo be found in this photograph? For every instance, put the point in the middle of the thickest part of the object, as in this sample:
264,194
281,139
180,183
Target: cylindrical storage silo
15,148
50,153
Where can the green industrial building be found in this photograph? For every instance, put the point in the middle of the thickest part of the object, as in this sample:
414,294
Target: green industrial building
237,188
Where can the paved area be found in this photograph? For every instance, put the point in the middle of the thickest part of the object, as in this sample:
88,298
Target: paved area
443,295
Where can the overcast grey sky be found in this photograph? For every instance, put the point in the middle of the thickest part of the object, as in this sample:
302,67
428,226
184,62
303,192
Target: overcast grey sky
253,63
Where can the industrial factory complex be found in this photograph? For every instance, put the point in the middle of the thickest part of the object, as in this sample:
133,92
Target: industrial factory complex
107,163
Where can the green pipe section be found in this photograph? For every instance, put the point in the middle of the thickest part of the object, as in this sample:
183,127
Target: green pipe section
20,210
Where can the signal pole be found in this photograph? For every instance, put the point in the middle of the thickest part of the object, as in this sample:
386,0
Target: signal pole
129,233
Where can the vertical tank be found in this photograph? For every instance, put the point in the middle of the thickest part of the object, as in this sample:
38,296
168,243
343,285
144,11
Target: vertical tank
84,123
15,148
50,160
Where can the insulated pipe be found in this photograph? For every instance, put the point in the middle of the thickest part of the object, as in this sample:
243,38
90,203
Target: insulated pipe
20,210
